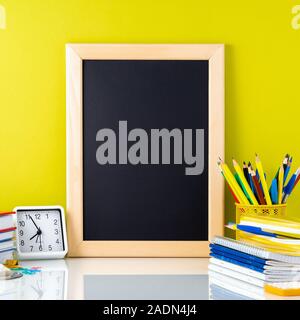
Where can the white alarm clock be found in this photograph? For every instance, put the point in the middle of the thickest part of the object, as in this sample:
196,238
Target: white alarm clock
41,232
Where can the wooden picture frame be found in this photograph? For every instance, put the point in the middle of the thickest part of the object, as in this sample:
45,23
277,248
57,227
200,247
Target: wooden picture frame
75,54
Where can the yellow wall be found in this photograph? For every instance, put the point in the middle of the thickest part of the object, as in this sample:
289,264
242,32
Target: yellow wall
262,79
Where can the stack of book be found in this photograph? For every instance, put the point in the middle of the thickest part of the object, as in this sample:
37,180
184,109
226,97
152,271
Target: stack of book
267,252
7,237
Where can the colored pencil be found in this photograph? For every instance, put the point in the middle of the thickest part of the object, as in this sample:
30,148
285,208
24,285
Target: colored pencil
249,186
280,183
285,161
245,170
238,180
235,187
289,187
287,170
233,184
274,191
244,182
257,187
251,181
296,182
263,180
230,188
234,196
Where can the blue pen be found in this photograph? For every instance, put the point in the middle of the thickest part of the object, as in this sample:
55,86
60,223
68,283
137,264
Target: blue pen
255,230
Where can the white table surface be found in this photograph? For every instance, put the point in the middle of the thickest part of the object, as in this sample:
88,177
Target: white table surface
114,278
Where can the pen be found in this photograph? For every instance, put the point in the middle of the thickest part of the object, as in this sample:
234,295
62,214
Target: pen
251,229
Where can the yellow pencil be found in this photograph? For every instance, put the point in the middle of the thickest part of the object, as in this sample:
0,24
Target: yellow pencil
263,180
230,177
244,182
233,187
280,183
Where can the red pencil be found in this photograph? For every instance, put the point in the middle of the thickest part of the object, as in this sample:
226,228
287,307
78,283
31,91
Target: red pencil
297,180
257,187
231,191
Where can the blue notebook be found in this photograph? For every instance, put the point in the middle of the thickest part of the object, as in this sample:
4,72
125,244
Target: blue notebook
238,263
237,253
237,258
256,251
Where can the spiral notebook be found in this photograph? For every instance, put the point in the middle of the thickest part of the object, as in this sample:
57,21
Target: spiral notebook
255,251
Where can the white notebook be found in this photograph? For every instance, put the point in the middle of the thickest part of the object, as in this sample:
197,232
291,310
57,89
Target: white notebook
237,286
255,251
7,235
265,276
7,245
236,274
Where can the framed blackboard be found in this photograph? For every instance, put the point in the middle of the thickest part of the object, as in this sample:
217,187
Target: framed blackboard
145,126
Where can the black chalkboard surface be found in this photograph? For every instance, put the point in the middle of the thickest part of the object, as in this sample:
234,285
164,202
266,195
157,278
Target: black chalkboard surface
144,201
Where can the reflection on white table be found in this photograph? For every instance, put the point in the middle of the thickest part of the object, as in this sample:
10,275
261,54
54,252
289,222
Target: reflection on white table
128,279
143,279
49,284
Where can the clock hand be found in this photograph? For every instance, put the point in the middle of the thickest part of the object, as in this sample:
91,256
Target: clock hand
34,223
34,236
40,240
39,232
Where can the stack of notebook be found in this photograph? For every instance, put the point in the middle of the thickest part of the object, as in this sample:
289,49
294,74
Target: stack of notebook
267,251
7,236
222,287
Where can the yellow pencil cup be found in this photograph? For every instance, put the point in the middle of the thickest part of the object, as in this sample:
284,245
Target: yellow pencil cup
276,210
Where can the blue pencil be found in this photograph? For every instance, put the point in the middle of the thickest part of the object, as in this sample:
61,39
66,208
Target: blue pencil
289,187
274,191
250,179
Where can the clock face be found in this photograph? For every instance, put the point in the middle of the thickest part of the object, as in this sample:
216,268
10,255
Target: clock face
40,231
